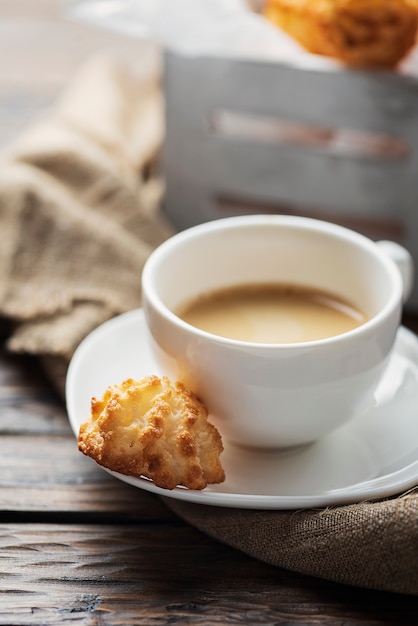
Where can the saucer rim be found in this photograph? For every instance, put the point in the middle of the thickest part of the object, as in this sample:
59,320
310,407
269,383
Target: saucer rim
386,485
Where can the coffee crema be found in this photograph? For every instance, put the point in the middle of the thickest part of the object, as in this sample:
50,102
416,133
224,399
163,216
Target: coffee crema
272,313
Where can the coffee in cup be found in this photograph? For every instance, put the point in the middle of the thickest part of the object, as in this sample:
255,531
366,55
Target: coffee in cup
272,313
277,393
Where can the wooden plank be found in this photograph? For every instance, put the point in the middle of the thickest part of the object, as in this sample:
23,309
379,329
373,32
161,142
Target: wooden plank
159,575
334,99
246,169
48,475
28,404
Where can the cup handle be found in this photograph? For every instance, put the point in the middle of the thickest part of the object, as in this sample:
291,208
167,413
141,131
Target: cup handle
404,262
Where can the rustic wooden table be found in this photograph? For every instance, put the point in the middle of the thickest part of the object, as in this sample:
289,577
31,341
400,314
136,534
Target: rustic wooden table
76,545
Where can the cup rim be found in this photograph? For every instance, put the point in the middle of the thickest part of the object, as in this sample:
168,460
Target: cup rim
394,300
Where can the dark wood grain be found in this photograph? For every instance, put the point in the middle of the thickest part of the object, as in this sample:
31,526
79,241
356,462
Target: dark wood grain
159,574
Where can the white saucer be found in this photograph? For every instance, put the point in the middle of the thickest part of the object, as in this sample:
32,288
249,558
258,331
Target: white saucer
374,456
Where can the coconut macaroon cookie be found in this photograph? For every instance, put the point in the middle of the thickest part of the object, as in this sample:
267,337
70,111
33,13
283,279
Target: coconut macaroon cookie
154,428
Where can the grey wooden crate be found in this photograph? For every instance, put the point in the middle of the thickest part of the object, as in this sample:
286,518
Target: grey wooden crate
250,136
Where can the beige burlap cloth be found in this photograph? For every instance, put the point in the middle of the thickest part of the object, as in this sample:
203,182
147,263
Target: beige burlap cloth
79,214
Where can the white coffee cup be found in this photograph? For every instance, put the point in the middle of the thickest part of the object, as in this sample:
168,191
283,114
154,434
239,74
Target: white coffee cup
276,395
